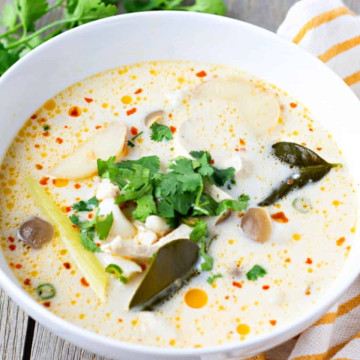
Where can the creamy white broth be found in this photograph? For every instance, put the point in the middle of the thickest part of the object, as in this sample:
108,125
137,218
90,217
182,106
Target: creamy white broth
302,257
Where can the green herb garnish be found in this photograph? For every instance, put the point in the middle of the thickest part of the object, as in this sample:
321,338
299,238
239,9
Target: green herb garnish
131,141
160,132
117,272
212,278
256,272
240,204
46,127
45,291
87,205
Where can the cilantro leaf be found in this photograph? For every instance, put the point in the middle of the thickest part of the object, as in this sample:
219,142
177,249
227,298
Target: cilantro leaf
84,225
200,231
150,162
106,167
160,132
7,59
218,177
205,206
182,203
31,10
89,10
208,263
216,7
256,272
88,205
240,204
145,207
88,242
221,176
130,142
211,279
165,209
9,16
103,227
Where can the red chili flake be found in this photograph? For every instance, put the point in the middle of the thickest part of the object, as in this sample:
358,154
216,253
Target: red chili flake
12,247
68,208
42,120
37,146
47,304
340,241
84,282
77,186
319,148
74,226
236,149
11,264
237,284
65,126
44,180
134,130
272,322
74,111
308,261
59,140
212,161
138,91
88,100
311,129
120,320
287,260
227,297
38,166
201,74
143,267
90,216
97,127
266,287
308,292
290,181
11,239
46,133
131,111
27,282
34,116
173,129
280,217
293,105
170,115
67,265
242,142
18,266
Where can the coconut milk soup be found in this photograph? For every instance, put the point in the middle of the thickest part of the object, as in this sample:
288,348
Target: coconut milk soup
175,204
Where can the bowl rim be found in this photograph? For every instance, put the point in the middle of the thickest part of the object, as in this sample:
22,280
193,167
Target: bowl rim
52,321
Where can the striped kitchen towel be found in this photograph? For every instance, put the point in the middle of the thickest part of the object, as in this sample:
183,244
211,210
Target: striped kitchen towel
330,31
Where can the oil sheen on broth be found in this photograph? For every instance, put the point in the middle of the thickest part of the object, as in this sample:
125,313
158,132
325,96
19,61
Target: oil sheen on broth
304,250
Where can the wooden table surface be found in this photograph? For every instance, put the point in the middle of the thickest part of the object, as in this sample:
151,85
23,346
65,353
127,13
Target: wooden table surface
21,338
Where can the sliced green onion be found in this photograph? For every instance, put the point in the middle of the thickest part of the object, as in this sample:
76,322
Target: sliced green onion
45,291
302,205
116,271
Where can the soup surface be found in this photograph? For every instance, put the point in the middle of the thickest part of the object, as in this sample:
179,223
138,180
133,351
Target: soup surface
257,270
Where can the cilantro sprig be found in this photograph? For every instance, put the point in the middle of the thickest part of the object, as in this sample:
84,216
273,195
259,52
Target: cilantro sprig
22,17
256,272
212,278
160,132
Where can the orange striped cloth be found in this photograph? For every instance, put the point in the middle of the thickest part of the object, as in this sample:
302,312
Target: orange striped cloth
330,31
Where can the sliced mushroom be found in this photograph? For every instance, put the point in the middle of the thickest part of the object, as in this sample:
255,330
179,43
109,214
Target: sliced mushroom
153,117
225,215
83,161
35,232
256,224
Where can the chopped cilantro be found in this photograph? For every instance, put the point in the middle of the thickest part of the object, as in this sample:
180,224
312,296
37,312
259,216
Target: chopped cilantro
87,205
145,207
88,242
131,141
160,132
208,263
211,279
46,127
240,204
103,226
200,231
256,272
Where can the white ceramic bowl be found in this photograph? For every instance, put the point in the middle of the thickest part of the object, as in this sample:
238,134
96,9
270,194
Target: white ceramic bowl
126,39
